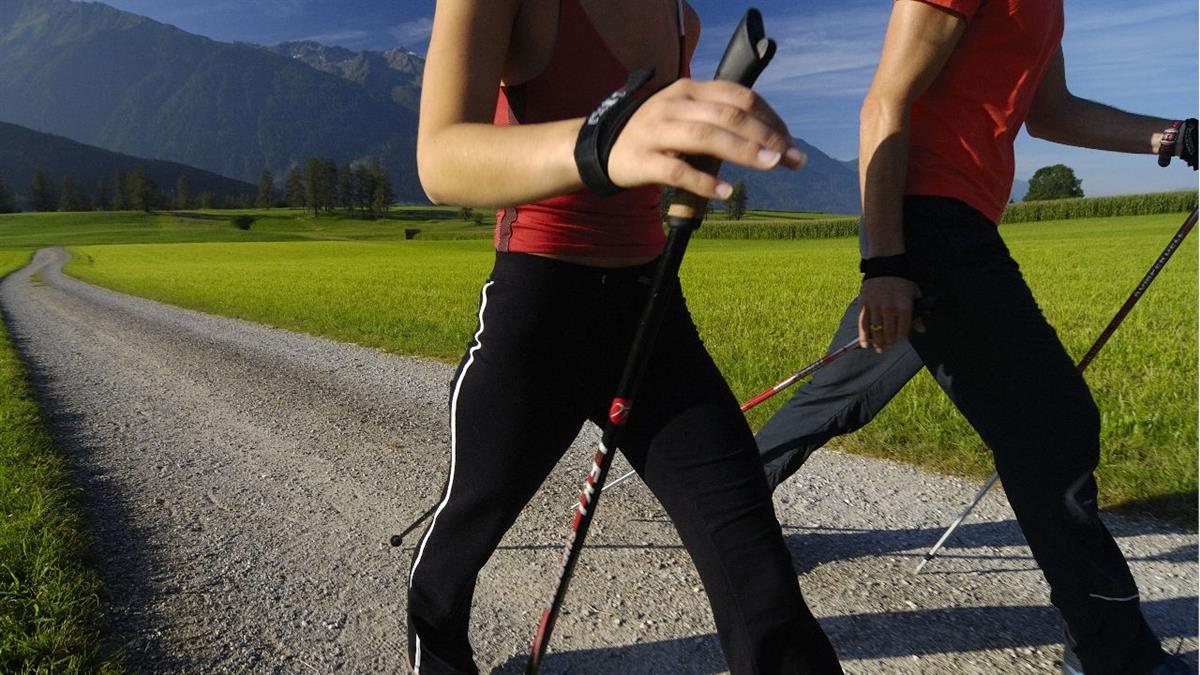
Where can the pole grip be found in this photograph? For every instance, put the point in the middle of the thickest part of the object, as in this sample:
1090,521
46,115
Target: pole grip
748,53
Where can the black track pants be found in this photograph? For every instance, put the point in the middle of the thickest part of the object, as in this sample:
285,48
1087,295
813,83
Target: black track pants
548,351
994,354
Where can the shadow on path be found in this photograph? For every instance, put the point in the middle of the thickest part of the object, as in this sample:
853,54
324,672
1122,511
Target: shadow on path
856,637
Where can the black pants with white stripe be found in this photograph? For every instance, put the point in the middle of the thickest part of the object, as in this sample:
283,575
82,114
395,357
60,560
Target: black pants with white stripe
548,351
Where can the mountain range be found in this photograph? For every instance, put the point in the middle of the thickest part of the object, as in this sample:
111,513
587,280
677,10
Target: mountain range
128,84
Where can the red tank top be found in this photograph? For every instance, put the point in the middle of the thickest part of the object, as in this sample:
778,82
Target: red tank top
581,73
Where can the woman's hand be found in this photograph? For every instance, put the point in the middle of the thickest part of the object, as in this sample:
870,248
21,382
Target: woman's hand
717,119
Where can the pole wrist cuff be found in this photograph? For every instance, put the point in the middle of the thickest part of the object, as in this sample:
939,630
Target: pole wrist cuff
886,266
601,129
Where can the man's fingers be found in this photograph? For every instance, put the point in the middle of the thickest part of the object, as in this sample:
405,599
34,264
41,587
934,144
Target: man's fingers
864,332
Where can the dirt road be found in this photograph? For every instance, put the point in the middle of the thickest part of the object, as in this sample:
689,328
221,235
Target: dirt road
241,483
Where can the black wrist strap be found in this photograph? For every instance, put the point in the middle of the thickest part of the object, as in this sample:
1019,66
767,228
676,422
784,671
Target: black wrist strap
886,266
1187,142
600,130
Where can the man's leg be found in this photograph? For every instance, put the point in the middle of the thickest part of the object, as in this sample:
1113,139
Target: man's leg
841,397
993,352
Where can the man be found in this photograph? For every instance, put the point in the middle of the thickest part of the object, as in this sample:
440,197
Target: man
955,82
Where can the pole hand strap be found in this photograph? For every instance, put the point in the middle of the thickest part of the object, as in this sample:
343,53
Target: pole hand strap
601,129
1179,140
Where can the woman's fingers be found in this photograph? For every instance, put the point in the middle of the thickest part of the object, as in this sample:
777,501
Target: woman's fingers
715,119
677,173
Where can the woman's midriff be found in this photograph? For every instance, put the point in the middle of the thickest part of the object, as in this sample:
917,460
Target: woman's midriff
597,262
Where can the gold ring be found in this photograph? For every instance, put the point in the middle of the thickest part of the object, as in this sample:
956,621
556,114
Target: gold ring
876,326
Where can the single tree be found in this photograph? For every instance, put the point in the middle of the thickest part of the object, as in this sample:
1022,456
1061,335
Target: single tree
8,202
143,192
364,186
294,187
345,187
383,195
121,200
735,206
41,192
73,196
320,183
103,201
183,193
1054,182
266,190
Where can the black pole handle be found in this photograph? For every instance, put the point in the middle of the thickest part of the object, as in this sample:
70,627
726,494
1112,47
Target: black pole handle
748,53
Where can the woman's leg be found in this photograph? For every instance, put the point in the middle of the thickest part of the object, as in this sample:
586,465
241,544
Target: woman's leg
692,447
511,418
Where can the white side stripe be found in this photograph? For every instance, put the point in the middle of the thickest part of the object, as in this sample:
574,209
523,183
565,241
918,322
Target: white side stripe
1135,596
453,452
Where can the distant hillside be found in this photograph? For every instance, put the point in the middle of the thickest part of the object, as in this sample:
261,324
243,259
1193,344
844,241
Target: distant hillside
824,184
25,149
126,83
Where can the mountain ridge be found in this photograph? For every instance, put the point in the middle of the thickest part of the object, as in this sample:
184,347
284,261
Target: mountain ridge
57,156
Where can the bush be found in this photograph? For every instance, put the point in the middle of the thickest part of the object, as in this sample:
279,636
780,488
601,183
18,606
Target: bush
242,222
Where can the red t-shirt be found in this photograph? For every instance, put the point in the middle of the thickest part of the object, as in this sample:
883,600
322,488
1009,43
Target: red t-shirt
964,126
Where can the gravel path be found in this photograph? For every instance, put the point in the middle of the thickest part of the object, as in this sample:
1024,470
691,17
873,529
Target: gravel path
242,481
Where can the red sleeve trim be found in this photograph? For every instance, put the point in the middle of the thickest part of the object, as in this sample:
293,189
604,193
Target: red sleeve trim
966,8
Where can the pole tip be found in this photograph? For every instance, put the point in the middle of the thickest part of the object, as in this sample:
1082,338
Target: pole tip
397,540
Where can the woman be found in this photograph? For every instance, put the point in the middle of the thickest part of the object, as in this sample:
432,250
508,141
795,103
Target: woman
507,86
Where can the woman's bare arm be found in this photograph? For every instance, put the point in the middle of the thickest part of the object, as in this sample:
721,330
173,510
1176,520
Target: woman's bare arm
464,159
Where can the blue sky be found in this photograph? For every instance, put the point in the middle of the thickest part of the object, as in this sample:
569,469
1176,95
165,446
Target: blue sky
1138,55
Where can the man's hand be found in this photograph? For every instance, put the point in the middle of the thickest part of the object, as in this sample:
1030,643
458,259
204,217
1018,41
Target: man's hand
1187,142
887,311
1178,140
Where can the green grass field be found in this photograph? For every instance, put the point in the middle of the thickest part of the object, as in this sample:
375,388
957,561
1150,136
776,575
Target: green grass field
418,298
765,308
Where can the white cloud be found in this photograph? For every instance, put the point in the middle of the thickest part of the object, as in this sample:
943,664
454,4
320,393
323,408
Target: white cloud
413,33
339,38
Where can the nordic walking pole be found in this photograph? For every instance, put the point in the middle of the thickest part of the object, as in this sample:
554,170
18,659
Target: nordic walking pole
775,389
748,53
1184,229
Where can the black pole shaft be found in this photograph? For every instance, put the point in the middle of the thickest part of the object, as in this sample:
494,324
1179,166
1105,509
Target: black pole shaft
622,404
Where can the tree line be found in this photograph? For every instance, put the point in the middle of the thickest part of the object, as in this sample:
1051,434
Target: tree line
320,184
324,185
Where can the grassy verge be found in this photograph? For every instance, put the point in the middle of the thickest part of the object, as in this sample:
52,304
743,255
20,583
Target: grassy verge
418,298
49,603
